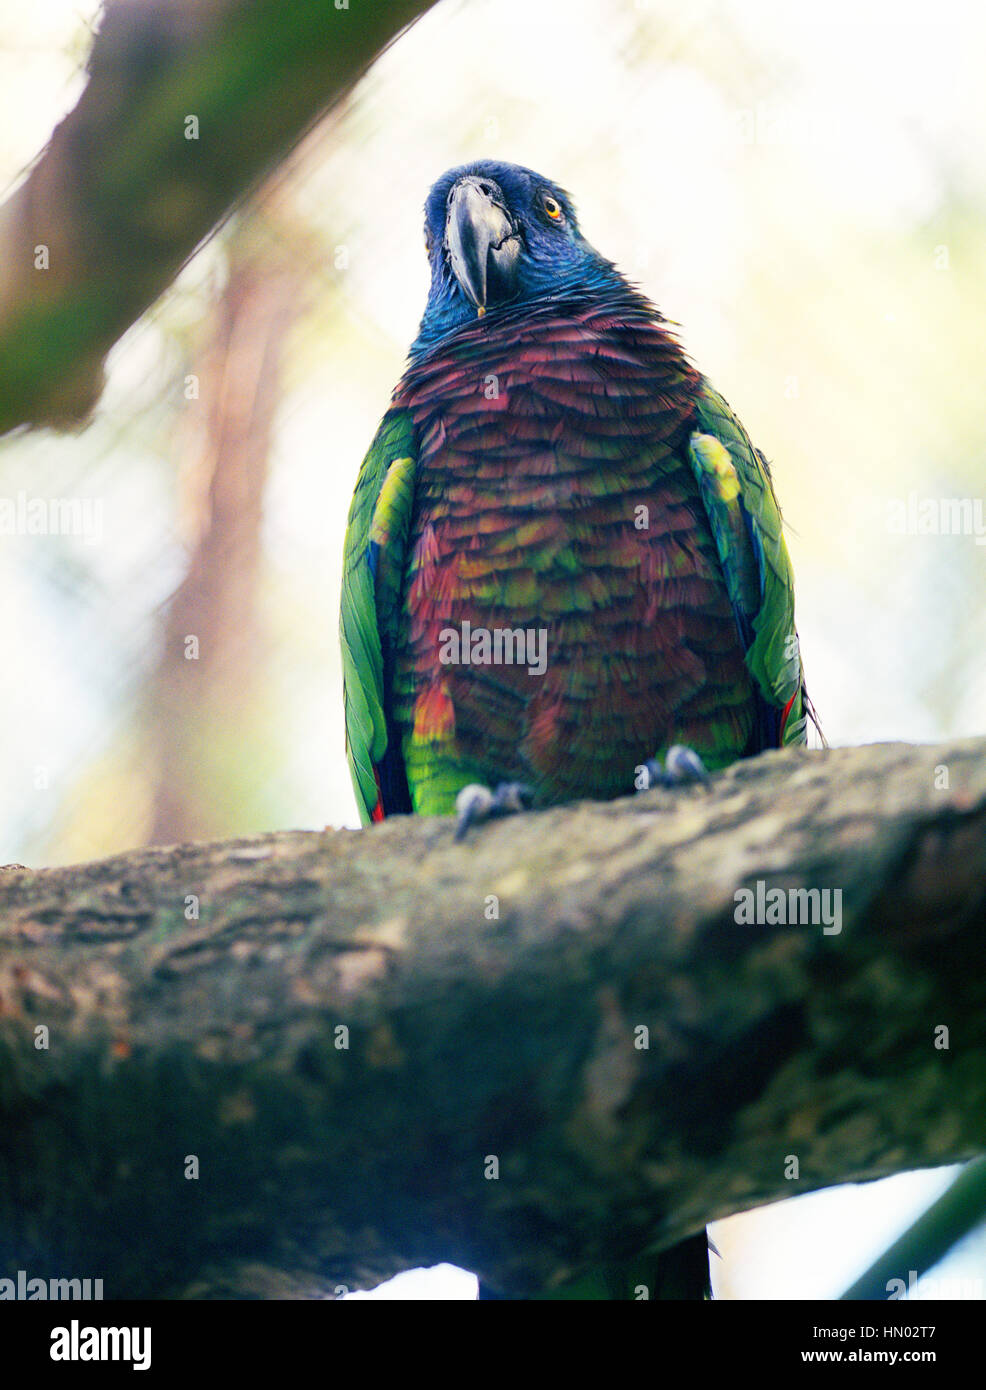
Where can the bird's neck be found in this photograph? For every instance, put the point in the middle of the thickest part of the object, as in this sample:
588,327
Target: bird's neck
448,315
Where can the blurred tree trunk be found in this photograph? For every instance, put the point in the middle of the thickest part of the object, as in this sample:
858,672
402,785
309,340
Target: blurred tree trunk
202,692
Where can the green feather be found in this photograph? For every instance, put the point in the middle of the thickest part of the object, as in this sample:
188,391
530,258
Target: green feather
378,518
739,499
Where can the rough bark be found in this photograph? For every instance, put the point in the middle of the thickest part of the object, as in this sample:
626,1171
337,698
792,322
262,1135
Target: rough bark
121,197
473,1037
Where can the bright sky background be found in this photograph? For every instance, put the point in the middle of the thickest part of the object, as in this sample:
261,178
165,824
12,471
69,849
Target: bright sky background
780,178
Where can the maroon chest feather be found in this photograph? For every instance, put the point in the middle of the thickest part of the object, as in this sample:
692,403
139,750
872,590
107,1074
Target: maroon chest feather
554,498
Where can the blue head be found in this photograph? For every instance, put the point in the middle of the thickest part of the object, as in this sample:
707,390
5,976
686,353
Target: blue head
500,235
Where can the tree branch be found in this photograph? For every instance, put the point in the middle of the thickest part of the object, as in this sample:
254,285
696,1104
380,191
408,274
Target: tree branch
473,1037
122,196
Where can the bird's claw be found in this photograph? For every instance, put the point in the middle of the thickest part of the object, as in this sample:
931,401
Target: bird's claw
681,766
476,803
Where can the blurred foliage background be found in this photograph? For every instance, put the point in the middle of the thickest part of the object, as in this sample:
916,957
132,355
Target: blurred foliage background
804,190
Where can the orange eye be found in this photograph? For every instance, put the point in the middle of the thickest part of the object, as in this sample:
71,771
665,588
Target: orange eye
552,208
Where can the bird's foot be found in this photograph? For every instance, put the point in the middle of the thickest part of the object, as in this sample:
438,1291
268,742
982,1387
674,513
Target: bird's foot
476,803
681,766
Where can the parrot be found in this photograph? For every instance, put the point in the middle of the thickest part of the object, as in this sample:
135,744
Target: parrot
564,570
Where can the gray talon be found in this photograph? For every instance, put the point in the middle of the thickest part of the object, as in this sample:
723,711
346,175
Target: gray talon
472,806
682,765
512,797
476,803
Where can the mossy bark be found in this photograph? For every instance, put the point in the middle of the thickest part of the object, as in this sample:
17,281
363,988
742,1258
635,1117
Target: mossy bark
384,1049
187,107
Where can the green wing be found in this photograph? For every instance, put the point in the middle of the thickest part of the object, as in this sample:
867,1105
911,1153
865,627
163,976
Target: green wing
372,592
738,494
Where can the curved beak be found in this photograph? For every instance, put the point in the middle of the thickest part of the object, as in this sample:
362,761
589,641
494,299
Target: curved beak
482,243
